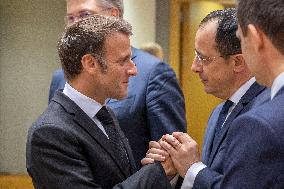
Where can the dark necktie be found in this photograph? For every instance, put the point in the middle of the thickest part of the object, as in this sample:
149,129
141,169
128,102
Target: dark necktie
114,138
221,119
223,114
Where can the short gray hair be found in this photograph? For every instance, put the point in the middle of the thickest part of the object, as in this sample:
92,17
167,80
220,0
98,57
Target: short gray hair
87,36
112,3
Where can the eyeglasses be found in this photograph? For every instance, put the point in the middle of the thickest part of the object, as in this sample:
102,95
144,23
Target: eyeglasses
203,59
70,19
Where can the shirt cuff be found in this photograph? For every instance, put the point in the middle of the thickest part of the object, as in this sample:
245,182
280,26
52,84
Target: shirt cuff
191,174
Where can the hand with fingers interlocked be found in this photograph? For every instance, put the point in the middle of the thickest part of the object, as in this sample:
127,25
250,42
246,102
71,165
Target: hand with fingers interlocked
157,153
182,149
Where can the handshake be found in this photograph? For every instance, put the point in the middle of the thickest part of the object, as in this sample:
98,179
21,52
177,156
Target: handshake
176,152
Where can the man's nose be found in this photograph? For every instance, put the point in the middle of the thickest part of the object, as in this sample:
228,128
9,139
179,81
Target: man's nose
196,67
132,71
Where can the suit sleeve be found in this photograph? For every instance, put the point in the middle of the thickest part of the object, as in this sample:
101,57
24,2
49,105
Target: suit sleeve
151,176
207,179
254,157
251,154
55,160
165,103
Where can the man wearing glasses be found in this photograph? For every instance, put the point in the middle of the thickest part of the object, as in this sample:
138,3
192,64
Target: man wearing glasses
155,103
224,74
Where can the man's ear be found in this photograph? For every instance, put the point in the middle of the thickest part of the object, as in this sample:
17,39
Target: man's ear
115,12
255,37
239,63
89,63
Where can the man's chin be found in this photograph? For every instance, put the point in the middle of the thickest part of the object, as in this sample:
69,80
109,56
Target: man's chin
207,90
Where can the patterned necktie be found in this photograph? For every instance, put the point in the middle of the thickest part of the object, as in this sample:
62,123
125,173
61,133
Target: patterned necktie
221,119
223,114
114,138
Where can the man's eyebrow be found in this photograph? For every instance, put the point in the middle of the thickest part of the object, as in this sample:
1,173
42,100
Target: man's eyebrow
83,10
124,58
200,54
86,10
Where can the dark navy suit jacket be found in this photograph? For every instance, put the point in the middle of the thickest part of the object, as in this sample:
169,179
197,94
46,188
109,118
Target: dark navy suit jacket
65,149
255,154
213,158
154,105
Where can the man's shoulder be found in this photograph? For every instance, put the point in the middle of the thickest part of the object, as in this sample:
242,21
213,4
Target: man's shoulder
269,114
144,59
57,116
257,95
151,66
216,110
58,74
270,106
52,114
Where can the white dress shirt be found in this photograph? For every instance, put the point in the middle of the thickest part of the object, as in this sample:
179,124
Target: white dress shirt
196,167
278,83
88,105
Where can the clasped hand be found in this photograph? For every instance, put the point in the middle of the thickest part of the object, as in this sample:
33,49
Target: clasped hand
176,152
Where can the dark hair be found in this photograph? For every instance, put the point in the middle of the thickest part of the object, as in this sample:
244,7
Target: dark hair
87,36
267,15
226,39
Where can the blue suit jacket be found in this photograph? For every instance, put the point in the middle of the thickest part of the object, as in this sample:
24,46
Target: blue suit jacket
154,105
213,158
255,153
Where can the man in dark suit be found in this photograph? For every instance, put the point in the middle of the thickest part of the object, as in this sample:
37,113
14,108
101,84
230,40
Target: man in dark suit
154,105
77,141
224,73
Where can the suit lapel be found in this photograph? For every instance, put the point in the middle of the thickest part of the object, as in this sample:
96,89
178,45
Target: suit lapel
89,126
209,134
239,107
85,122
248,97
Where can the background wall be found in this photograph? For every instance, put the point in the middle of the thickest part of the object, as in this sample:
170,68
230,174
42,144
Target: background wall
29,30
163,26
141,14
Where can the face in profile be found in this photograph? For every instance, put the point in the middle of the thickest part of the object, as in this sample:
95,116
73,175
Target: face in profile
120,67
215,73
253,61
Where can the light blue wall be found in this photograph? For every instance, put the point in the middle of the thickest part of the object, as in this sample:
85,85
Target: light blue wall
141,14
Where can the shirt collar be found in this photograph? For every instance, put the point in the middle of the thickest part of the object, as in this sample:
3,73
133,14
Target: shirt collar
236,97
278,83
88,105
